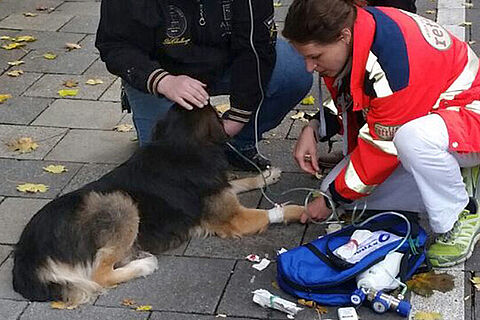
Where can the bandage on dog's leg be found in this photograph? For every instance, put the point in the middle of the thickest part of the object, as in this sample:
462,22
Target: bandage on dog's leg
276,214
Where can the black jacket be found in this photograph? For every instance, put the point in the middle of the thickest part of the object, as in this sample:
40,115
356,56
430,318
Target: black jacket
140,39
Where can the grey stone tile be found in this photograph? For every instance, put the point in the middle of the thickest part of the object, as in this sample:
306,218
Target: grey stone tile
44,311
280,13
314,230
264,244
17,85
80,114
469,294
80,8
88,173
473,263
42,22
46,138
51,41
451,16
49,85
280,154
10,310
473,15
88,44
4,252
6,287
250,199
94,146
82,24
9,55
31,5
185,316
297,127
22,110
180,284
476,303
281,131
113,92
15,172
66,62
99,70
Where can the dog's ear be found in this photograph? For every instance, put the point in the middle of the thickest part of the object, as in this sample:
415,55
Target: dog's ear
208,127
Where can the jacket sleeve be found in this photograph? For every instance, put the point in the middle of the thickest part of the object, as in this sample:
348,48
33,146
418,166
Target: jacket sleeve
124,43
245,92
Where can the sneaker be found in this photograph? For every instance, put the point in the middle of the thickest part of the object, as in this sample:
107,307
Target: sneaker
456,245
243,162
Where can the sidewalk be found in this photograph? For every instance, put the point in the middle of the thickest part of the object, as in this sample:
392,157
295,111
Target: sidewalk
204,279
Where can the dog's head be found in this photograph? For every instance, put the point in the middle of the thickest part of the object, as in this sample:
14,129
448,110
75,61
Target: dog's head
198,126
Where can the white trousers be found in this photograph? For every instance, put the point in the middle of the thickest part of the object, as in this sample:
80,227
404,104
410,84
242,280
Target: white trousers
428,180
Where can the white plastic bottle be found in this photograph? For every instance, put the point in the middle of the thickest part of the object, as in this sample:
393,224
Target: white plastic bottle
382,275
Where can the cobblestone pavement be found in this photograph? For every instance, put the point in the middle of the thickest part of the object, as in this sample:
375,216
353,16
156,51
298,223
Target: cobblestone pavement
203,279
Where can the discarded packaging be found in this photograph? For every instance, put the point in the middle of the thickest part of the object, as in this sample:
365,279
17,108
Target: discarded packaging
262,265
268,300
253,258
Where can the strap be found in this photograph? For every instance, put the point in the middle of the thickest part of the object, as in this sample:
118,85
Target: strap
320,255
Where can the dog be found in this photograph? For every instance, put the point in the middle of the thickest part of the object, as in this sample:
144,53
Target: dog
108,231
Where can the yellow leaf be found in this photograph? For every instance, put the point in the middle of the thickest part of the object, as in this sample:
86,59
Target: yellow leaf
476,282
15,63
32,188
428,316
430,11
70,83
124,127
13,45
424,283
49,55
298,115
94,82
23,145
72,46
30,14
222,108
144,308
308,100
6,38
277,4
465,24
4,97
61,305
67,92
55,168
14,73
24,39
129,302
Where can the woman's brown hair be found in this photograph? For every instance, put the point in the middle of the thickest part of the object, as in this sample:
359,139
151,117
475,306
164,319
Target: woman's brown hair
319,20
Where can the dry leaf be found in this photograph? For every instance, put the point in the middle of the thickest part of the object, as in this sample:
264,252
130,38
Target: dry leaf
49,55
6,38
41,8
222,108
424,283
4,97
13,45
321,309
428,316
67,92
312,304
468,5
72,46
476,282
472,42
61,305
308,100
30,14
144,308
14,73
277,4
128,302
430,11
70,83
298,115
15,63
23,145
52,168
465,24
32,188
124,127
94,82
24,39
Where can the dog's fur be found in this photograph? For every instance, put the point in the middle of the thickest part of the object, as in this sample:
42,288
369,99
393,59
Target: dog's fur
106,232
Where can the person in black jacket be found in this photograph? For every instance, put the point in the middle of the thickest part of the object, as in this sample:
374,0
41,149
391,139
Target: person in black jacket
185,51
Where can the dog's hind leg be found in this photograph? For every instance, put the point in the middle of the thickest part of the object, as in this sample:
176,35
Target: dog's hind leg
269,177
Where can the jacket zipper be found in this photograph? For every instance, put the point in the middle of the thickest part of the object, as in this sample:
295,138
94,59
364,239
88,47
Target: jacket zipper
201,20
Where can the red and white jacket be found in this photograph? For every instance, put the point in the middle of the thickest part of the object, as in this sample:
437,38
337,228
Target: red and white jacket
404,66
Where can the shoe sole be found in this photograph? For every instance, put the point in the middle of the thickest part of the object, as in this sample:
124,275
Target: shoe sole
465,258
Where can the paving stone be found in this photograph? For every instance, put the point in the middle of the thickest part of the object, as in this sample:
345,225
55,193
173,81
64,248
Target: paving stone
10,310
17,85
99,70
42,22
6,287
22,110
280,13
473,15
87,173
476,313
44,311
457,31
180,284
250,199
49,85
266,243
88,44
280,154
473,263
15,172
281,131
297,126
72,62
45,137
94,146
452,16
450,4
82,24
9,55
4,252
80,8
113,92
469,294
51,41
80,114
184,316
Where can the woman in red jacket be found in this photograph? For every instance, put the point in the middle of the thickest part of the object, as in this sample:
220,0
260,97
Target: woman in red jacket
408,99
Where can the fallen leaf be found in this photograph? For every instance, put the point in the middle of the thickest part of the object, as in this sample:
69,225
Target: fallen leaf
277,4
430,11
472,42
13,45
6,38
15,63
465,24
425,283
222,108
41,8
298,115
4,97
428,316
14,73
94,82
49,55
32,188
128,302
221,315
24,39
124,127
468,5
312,304
55,168
72,46
321,309
476,282
23,145
275,285
61,305
30,14
67,92
70,83
144,308
308,100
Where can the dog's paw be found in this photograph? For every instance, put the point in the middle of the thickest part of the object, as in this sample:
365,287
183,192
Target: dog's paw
272,175
292,212
145,266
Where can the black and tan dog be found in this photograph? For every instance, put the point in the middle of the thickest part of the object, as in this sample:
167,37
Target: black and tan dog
106,232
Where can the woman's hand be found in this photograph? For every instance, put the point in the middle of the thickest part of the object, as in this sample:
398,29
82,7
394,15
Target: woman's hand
305,152
316,210
185,91
232,127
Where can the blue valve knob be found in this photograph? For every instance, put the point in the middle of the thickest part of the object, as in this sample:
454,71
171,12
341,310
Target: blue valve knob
404,308
379,305
357,297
